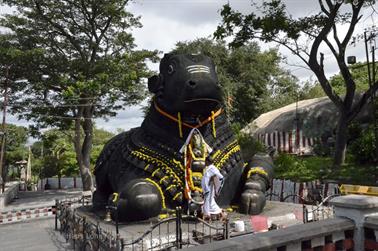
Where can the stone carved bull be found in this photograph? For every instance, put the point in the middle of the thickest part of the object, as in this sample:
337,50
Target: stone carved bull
145,165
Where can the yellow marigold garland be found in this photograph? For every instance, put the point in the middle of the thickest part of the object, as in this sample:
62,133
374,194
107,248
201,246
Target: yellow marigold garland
194,156
178,163
213,124
256,170
233,150
180,124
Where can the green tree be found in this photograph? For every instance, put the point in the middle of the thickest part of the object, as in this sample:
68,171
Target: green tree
16,149
54,154
274,24
252,80
88,67
311,90
359,73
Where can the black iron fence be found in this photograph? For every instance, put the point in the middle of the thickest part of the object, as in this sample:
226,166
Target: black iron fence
175,232
82,233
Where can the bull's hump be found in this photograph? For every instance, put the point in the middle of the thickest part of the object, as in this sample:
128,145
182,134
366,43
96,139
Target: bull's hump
112,146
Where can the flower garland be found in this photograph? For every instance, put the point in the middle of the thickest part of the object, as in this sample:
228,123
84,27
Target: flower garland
257,170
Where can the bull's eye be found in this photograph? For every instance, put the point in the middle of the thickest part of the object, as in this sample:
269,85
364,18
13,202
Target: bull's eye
170,69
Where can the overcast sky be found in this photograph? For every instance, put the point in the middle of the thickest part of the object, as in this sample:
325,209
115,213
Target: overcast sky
165,22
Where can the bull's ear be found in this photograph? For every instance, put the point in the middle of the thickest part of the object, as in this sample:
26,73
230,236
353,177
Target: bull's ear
155,82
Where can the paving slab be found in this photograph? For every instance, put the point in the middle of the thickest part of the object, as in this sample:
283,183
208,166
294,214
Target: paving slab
36,235
31,199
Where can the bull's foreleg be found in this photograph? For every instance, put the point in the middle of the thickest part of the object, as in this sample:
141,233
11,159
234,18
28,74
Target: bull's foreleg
139,199
259,173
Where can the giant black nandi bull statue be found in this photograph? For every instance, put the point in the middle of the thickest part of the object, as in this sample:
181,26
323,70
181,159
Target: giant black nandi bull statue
147,167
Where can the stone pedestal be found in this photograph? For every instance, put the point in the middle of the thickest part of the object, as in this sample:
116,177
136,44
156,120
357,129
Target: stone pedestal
356,208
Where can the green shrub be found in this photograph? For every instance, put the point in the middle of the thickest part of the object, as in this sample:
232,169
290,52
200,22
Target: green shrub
294,168
322,149
363,148
301,169
249,146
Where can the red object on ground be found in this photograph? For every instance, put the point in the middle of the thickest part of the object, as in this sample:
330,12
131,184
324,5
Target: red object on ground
259,223
298,214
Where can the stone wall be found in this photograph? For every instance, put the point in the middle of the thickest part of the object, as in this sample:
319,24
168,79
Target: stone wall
298,237
62,183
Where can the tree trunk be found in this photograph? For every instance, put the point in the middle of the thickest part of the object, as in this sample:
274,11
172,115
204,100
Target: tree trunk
86,151
341,141
83,151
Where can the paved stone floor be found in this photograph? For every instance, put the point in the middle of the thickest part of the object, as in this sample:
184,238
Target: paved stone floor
35,234
32,235
30,199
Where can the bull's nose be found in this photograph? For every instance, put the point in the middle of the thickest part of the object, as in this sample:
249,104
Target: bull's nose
191,83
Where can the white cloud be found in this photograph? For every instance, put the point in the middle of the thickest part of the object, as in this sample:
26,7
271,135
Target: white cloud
129,118
162,33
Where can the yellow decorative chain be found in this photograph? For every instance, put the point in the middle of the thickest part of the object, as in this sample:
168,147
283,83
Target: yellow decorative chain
154,172
169,187
162,179
149,152
153,160
176,196
178,164
216,154
160,191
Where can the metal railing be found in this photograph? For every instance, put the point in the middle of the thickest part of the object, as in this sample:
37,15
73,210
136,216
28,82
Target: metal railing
174,232
320,211
81,232
312,209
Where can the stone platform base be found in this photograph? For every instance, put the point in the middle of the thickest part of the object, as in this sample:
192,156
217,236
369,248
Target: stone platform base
275,214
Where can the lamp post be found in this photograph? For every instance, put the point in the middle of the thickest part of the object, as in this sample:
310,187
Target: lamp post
369,38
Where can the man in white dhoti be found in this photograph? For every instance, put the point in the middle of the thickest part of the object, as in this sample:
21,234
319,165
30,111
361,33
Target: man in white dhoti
212,182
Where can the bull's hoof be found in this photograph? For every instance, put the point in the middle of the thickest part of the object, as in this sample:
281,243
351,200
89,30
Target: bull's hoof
252,202
139,200
99,201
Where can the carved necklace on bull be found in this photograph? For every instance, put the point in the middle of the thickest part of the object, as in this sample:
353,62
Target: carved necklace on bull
180,123
195,151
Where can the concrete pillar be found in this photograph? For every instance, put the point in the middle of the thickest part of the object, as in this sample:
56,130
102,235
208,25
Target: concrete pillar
356,208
